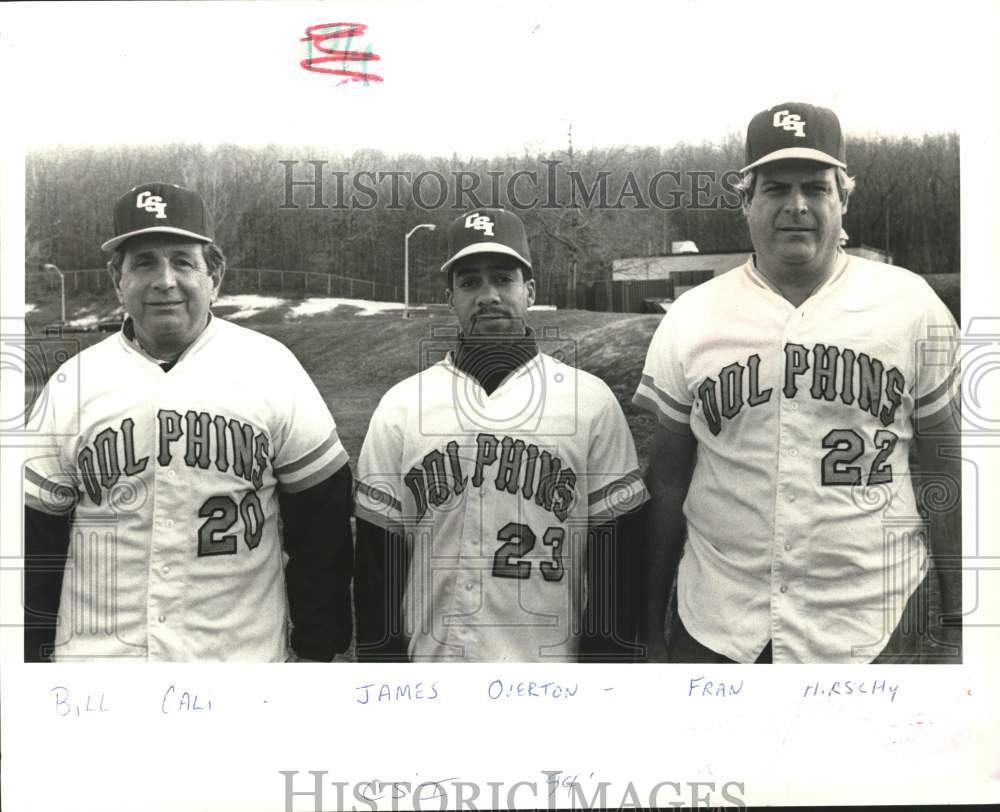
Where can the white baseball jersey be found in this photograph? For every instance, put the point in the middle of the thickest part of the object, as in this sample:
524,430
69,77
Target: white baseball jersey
172,479
496,494
801,519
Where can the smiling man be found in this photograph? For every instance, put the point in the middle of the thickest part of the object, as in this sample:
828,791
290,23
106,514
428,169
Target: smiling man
789,392
494,488
152,518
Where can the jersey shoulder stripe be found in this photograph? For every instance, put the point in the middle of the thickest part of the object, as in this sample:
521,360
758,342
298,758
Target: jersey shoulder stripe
944,390
678,422
47,496
378,495
624,495
376,506
930,408
319,464
644,401
291,468
675,405
631,482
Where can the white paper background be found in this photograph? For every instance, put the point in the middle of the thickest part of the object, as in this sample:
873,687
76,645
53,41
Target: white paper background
477,79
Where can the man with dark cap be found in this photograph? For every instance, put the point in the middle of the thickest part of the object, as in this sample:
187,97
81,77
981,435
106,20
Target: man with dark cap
788,392
175,446
491,483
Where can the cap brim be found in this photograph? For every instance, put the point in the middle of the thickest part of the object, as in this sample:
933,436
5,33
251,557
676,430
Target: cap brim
485,248
113,243
792,153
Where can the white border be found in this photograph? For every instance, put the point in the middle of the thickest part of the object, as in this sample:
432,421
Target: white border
936,742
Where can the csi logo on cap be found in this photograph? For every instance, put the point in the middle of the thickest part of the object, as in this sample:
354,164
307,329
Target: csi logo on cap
151,203
790,121
480,222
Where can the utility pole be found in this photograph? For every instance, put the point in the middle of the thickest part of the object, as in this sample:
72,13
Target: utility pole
887,199
48,266
406,266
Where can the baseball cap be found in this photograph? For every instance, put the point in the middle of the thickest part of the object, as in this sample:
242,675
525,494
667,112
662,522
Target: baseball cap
163,207
795,130
487,230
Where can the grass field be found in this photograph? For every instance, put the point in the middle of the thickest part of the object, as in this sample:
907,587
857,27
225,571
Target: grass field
355,359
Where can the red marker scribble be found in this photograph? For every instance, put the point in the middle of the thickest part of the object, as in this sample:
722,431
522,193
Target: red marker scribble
341,30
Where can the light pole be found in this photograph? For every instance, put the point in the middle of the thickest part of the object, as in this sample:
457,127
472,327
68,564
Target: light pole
48,266
406,266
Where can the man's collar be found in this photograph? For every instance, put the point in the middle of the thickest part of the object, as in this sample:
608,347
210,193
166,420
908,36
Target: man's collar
839,264
491,361
128,334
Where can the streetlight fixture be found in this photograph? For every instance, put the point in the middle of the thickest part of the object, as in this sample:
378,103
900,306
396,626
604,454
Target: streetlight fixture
406,266
48,266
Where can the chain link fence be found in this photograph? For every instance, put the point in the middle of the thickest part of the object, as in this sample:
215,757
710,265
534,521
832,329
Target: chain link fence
287,284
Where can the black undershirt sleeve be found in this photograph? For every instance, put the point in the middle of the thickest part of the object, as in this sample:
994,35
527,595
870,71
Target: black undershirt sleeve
610,618
46,544
381,566
317,539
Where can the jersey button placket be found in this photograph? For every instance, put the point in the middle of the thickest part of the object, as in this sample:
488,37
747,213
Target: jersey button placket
471,555
158,592
166,559
798,476
464,588
785,496
462,580
156,615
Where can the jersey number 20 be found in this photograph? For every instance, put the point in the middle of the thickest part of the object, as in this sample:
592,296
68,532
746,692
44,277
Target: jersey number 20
220,513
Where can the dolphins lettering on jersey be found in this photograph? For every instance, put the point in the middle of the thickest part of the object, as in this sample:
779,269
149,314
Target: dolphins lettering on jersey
854,377
208,439
512,466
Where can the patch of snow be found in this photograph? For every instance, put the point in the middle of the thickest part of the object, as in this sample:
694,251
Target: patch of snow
87,318
82,323
317,305
248,304
29,308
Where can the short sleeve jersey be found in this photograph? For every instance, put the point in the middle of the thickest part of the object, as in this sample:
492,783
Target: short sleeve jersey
495,494
172,482
801,519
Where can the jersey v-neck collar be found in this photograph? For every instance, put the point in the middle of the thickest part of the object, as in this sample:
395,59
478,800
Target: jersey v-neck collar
131,343
470,356
758,279
515,374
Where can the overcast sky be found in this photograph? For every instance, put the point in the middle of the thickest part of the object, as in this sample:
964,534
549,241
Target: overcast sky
479,77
